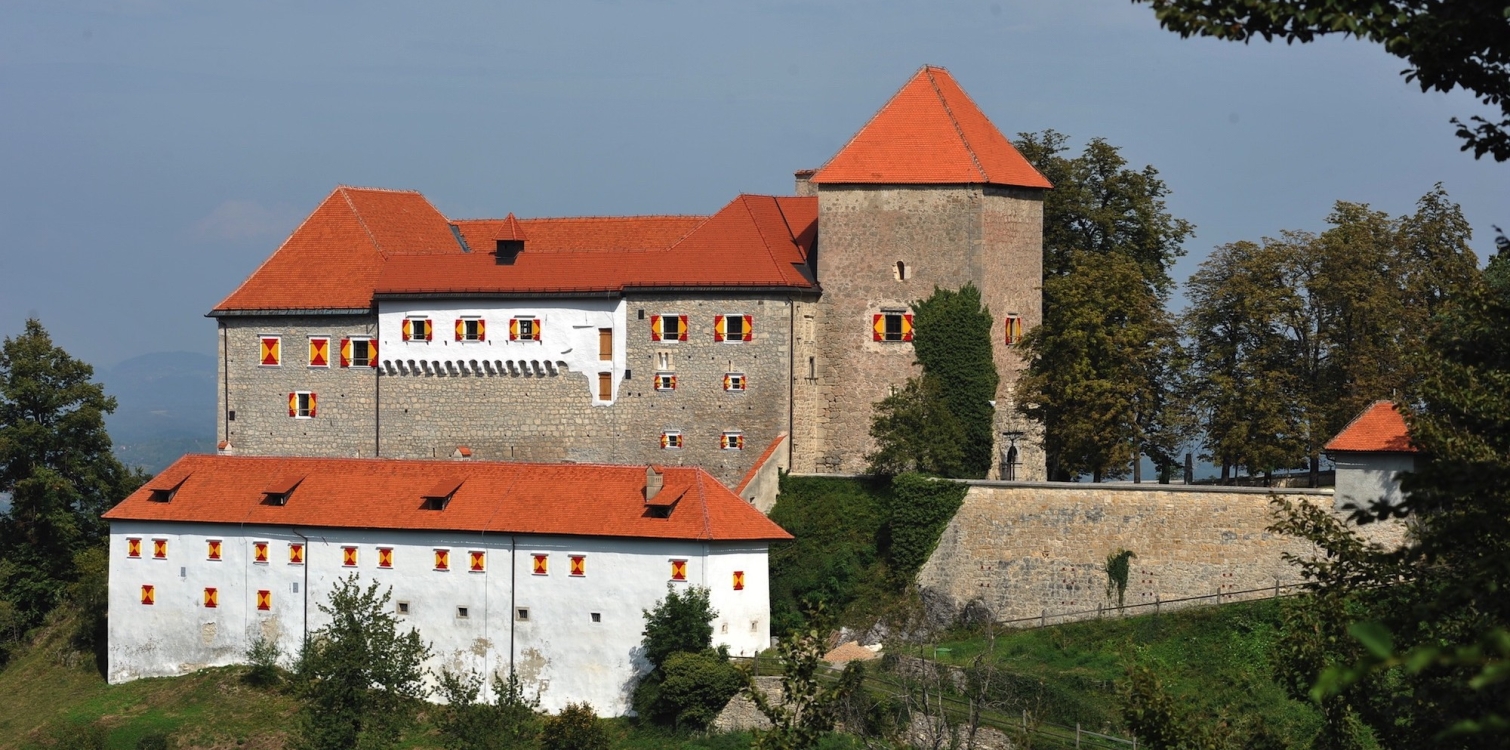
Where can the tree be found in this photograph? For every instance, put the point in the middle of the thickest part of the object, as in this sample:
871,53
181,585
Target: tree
805,711
915,431
689,681
952,339
510,721
1112,223
683,621
359,679
56,464
1447,43
1096,377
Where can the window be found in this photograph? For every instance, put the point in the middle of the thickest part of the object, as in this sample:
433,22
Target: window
442,559
678,570
754,626
159,549
477,561
812,368
349,557
733,328
1013,329
133,547
319,351
295,554
301,405
900,272
293,588
212,549
891,325
605,386
540,564
671,327
734,381
665,361
597,617
385,557
211,597
358,353
522,614
733,441
461,613
417,329
471,329
739,580
524,329
578,565
403,608
264,600
605,344
149,594
259,552
671,439
270,355
665,381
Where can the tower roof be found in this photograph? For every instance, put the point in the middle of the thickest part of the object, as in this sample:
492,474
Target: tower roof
931,132
1378,429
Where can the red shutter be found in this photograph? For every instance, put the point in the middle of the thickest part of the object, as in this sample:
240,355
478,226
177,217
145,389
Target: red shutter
749,328
681,331
878,327
460,327
311,404
907,327
345,352
293,404
513,329
718,328
482,330
429,329
655,328
372,352
407,329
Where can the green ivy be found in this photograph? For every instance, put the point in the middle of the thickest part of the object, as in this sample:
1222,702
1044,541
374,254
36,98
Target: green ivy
920,509
952,339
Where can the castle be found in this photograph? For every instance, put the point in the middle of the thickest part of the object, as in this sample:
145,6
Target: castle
383,328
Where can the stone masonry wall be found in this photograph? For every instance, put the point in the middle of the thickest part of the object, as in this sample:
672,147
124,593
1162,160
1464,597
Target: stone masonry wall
525,417
946,236
258,395
1023,550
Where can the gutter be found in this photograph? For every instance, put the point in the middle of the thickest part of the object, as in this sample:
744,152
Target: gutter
305,592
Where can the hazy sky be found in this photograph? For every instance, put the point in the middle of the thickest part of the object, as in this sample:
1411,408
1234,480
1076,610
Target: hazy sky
153,152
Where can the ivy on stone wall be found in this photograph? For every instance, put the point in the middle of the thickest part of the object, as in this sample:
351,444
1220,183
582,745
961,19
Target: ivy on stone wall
920,509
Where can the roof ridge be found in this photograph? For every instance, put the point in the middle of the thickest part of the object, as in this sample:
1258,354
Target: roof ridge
368,189
362,220
604,217
949,111
702,499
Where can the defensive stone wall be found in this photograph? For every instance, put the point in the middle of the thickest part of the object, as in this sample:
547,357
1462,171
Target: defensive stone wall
1039,550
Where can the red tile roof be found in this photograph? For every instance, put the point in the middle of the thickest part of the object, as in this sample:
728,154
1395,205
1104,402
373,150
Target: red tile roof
332,260
930,133
582,233
759,464
496,497
1379,429
754,241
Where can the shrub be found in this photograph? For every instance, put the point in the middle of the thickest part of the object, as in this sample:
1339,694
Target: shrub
680,622
695,687
575,728
262,655
509,722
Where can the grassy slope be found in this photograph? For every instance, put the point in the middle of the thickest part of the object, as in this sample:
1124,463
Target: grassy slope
1214,659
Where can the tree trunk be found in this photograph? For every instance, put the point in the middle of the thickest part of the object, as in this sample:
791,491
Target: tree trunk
1226,471
1096,476
1137,467
1315,469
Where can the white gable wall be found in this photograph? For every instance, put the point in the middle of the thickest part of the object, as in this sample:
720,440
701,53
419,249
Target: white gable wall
559,650
1364,478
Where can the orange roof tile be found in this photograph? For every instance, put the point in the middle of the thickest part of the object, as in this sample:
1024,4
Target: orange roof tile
332,260
930,133
582,233
752,242
520,498
1378,429
759,464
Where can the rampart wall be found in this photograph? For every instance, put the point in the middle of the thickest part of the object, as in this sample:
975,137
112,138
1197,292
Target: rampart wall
1023,550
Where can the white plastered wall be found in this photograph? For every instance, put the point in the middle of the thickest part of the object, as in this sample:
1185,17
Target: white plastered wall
1364,478
560,650
569,334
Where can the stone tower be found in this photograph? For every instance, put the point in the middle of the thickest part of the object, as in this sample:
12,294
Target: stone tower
929,193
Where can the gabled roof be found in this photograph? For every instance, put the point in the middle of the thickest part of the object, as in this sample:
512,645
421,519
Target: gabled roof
931,132
582,233
1378,429
331,261
755,241
495,497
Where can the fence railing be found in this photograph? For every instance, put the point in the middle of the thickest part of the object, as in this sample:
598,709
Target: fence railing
1046,618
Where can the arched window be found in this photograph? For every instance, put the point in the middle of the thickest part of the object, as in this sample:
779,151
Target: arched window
901,271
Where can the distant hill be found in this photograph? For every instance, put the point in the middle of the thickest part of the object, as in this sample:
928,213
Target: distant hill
165,407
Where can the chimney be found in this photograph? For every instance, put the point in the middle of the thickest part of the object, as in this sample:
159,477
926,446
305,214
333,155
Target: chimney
654,480
805,186
225,448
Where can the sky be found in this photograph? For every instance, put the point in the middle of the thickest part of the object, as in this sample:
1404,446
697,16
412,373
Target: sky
154,152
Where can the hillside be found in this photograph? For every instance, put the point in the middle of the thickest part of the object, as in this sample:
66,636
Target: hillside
165,407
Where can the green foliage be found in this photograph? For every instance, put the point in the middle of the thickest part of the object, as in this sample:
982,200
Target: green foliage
807,710
683,621
915,431
1162,722
577,727
920,509
952,340
153,741
834,559
262,657
1446,44
359,679
55,462
510,721
696,686
1116,574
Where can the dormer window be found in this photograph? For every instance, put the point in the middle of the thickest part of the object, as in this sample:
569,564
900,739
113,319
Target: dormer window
507,251
163,489
439,496
278,491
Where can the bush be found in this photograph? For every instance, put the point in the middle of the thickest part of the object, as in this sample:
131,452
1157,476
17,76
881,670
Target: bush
680,622
695,687
262,655
509,722
576,728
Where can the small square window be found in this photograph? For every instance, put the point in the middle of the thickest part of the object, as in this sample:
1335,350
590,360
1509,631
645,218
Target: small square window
461,613
733,441
295,554
385,557
471,329
264,600
597,617
302,405
403,608
524,329
892,325
522,614
577,565
665,381
159,549
417,329
671,439
540,564
259,552
349,557
734,381
211,597
294,588
442,559
754,626
477,561
133,547
678,570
